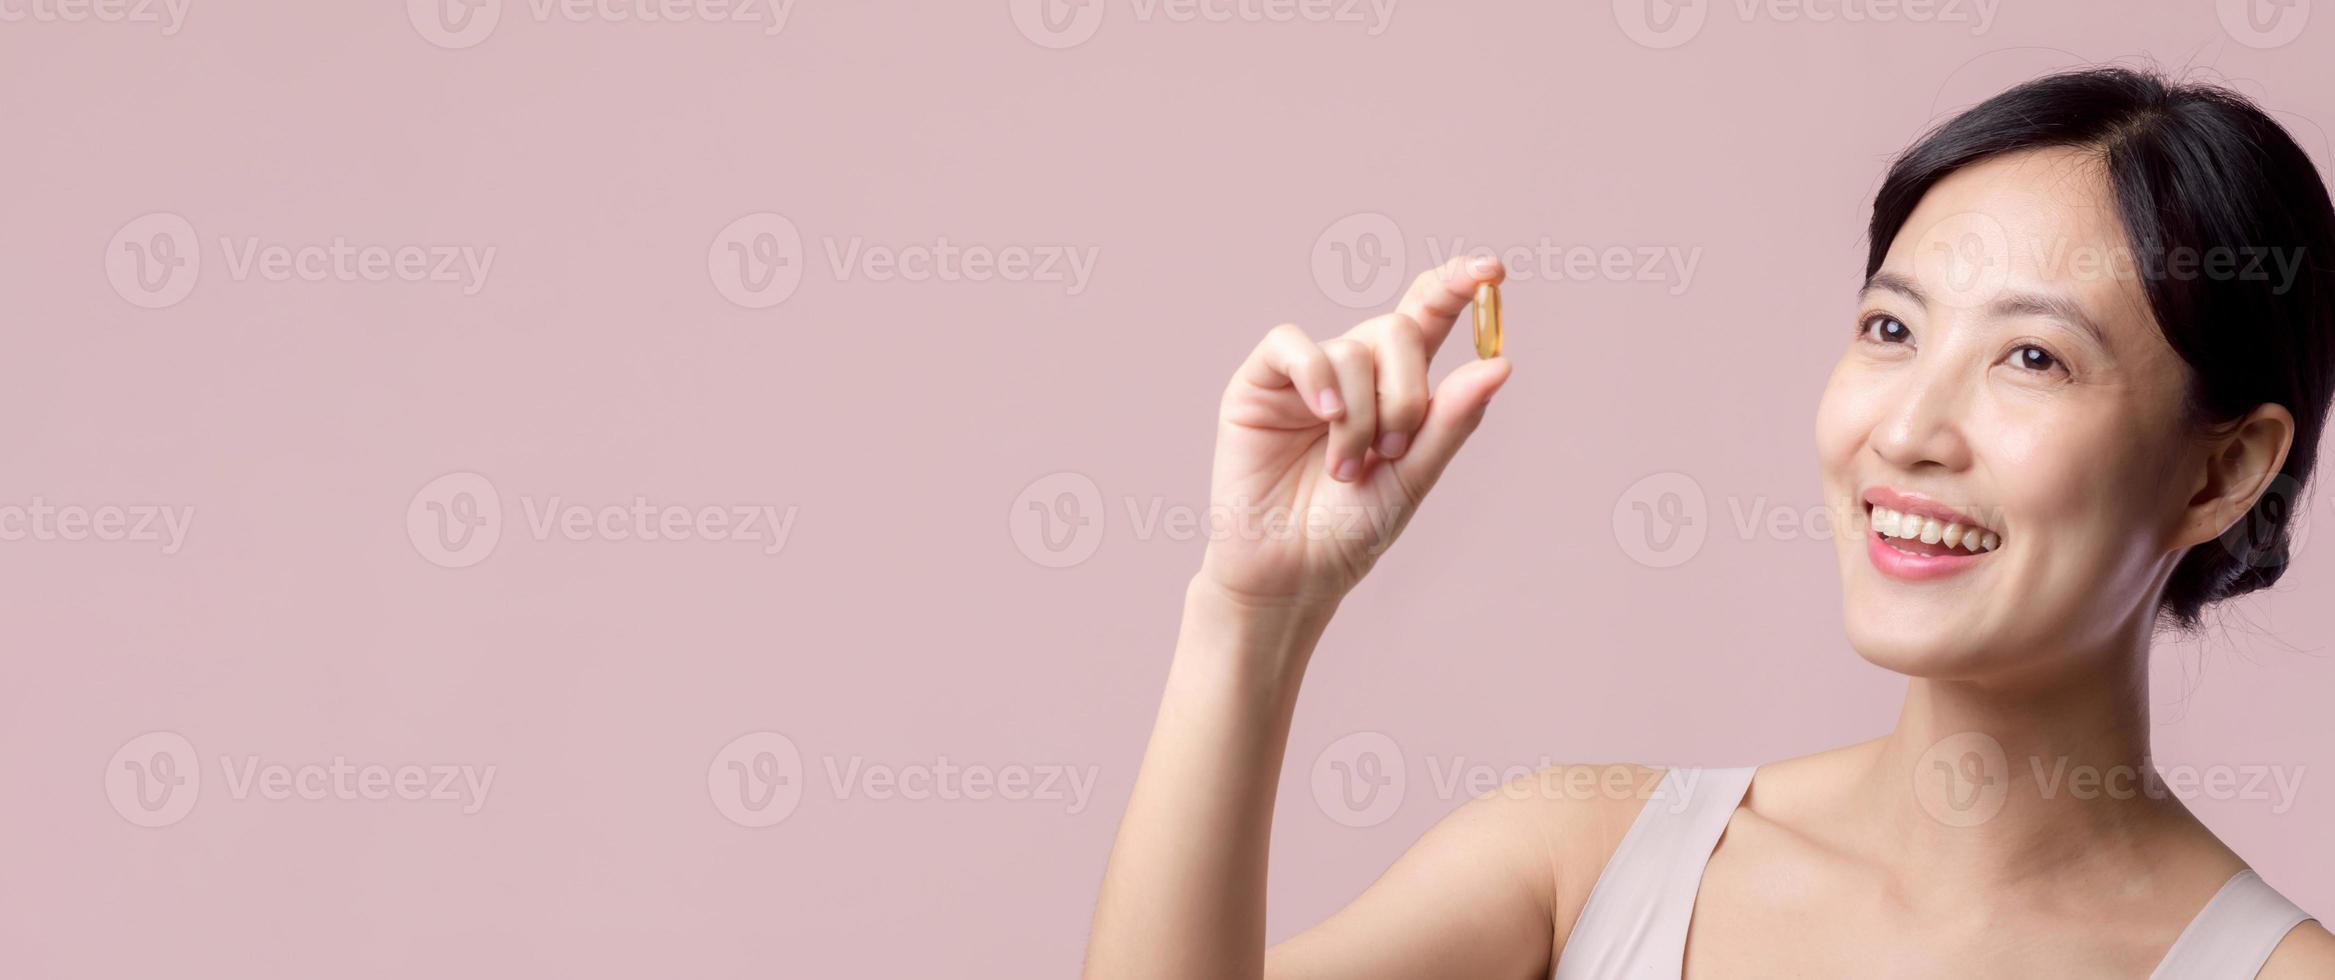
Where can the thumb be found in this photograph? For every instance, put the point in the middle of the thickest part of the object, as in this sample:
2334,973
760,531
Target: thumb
1453,413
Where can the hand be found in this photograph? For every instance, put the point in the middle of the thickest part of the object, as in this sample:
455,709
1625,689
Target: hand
1324,450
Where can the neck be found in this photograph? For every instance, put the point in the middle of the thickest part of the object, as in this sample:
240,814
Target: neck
1993,779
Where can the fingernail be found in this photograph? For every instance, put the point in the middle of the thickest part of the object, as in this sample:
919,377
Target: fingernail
1348,469
1392,444
1330,402
1484,265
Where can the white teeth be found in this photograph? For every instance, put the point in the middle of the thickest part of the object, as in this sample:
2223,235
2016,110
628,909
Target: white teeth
1895,524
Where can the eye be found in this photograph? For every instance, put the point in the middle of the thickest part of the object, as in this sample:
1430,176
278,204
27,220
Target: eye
1886,329
2032,358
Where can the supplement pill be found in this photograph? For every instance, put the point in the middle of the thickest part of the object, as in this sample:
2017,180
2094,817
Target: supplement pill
1487,321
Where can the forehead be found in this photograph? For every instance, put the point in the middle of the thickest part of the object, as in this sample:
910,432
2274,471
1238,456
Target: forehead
2038,221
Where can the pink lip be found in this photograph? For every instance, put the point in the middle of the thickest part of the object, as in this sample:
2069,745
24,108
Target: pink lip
1914,503
1904,566
1911,567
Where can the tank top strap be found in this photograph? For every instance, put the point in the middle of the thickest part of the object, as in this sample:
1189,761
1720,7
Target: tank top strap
2234,934
1635,920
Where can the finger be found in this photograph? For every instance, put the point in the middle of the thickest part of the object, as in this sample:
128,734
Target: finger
1452,415
1437,296
1401,351
1351,433
1287,358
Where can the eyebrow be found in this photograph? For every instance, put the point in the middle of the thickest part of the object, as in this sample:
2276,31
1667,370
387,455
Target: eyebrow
2009,304
1897,284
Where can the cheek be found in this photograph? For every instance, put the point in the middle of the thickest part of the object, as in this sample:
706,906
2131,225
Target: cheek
2042,473
2075,479
1844,416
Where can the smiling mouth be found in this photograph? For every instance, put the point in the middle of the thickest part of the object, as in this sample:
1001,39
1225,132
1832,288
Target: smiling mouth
1915,534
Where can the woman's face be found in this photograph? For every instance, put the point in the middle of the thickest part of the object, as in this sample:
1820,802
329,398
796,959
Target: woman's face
2005,373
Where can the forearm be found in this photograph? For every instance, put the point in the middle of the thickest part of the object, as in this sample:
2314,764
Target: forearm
1184,894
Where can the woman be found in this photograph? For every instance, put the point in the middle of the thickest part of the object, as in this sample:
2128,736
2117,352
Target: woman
2076,400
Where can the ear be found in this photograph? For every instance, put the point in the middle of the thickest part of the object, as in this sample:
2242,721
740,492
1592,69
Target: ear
2239,465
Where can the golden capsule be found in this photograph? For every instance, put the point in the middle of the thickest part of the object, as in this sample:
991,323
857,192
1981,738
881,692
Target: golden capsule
1487,321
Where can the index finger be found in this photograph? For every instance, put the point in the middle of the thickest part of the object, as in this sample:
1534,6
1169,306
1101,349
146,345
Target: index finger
1437,296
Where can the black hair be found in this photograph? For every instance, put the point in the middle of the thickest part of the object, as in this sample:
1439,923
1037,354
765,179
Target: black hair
2197,171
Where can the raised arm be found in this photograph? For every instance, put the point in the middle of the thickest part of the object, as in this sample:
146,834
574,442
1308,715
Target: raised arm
1323,452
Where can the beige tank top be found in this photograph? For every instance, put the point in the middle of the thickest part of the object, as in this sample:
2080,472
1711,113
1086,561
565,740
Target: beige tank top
1634,925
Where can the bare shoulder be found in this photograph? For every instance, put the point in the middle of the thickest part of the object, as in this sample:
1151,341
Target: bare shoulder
2307,954
1579,812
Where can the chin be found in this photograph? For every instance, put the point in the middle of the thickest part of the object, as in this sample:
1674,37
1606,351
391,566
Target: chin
1937,630
1919,648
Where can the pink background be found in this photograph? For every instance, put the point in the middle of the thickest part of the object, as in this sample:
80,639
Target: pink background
915,613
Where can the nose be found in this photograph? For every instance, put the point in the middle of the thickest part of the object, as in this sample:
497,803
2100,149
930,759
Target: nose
1922,424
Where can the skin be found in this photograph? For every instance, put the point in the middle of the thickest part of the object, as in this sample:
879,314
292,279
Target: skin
1970,377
